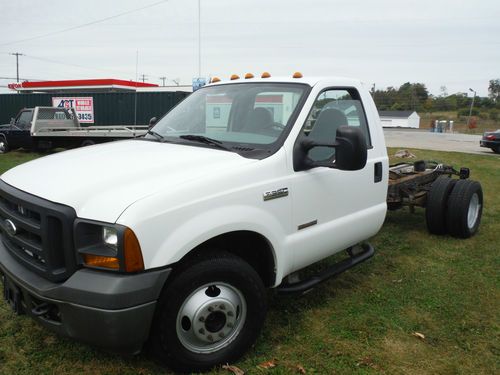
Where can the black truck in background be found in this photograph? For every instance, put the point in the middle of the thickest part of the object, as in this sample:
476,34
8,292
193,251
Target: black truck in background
45,128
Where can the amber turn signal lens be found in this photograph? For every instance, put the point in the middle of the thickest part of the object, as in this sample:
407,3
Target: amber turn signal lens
248,75
132,252
265,75
297,75
215,79
101,261
235,76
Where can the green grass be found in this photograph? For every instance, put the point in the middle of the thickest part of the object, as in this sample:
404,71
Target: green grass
359,323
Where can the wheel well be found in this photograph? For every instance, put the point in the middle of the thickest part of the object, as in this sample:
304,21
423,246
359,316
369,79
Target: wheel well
252,247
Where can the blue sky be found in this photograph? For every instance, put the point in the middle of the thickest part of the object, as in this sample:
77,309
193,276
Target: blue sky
440,43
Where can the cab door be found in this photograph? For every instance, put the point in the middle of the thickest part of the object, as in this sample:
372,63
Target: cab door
334,209
19,134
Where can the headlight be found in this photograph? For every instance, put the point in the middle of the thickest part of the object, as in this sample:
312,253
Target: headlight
107,246
110,237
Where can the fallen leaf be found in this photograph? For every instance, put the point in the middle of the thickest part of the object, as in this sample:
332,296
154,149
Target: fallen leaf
419,335
267,364
49,340
235,370
368,362
300,369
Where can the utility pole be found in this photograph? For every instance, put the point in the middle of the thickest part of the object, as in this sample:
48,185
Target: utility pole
199,39
17,54
143,77
471,106
163,80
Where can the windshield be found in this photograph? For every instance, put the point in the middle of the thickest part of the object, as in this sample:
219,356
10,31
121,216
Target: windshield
234,117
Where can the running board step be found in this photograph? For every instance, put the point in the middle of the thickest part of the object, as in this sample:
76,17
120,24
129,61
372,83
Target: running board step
334,270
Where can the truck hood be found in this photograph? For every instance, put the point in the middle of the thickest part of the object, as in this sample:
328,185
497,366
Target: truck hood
101,181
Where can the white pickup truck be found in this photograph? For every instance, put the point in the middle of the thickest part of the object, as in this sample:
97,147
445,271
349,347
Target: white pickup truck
172,239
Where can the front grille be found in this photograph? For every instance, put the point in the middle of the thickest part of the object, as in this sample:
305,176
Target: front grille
38,232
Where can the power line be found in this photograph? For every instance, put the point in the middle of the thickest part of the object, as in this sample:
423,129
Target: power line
75,65
84,25
22,78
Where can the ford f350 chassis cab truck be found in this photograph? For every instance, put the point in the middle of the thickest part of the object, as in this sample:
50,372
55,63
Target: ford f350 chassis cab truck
173,238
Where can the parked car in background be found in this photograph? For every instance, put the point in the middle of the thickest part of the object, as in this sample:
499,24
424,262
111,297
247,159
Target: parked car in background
491,140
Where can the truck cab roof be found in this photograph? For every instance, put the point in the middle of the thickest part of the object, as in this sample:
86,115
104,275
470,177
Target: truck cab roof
310,81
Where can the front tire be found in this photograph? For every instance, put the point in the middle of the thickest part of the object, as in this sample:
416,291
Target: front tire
211,313
4,146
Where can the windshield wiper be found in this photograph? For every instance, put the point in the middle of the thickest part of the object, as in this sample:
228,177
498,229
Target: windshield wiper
158,136
205,140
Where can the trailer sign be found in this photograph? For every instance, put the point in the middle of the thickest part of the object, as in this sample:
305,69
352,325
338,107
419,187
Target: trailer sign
84,107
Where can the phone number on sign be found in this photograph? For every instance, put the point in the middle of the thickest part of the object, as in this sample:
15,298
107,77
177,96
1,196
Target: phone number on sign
85,116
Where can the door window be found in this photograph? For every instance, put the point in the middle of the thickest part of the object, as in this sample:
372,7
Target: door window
23,122
332,109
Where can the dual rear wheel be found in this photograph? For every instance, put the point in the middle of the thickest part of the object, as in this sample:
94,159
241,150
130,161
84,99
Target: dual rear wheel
454,207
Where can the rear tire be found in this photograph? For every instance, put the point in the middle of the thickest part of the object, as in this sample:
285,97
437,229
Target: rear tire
465,207
437,202
496,149
209,314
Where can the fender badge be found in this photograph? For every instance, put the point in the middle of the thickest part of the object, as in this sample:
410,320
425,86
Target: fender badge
278,193
10,227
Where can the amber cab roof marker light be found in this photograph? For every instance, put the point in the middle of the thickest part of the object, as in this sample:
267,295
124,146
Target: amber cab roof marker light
235,76
297,75
265,75
248,75
215,79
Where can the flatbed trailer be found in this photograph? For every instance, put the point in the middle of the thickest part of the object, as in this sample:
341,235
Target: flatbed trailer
453,203
45,128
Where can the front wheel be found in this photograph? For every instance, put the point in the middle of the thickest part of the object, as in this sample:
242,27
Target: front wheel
4,146
209,314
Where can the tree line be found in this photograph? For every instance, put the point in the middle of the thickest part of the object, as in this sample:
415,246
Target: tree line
415,96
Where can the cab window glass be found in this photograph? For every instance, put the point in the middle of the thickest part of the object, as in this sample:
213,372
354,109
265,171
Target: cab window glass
332,109
23,121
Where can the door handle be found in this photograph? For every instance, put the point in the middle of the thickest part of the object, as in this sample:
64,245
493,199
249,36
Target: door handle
378,172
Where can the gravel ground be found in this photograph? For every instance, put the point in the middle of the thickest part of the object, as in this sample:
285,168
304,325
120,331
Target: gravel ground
416,138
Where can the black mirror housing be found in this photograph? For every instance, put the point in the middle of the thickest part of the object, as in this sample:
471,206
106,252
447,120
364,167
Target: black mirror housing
350,155
351,151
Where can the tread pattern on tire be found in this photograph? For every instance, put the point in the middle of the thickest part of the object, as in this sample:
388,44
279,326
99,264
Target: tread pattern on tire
458,208
437,202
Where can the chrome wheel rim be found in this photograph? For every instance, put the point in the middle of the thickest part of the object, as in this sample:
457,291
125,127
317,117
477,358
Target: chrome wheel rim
211,317
2,147
473,213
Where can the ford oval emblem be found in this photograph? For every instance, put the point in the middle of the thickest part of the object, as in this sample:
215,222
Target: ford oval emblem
10,228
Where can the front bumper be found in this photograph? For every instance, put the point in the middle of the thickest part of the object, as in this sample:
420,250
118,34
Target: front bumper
489,144
110,311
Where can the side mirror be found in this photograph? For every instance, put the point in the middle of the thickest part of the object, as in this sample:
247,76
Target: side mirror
152,121
12,120
350,151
